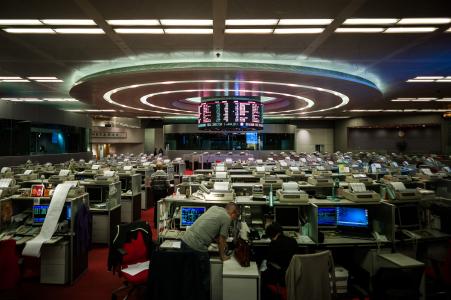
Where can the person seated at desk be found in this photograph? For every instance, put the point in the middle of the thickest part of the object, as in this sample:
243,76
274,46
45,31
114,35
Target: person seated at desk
211,226
159,185
281,250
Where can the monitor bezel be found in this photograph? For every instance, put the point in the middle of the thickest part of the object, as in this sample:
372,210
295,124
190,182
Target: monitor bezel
276,208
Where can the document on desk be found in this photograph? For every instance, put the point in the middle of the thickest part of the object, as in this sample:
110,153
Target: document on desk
357,186
33,247
136,268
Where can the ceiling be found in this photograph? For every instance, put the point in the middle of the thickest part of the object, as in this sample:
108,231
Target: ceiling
369,69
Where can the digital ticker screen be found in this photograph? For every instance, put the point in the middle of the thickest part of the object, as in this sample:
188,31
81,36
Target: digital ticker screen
231,113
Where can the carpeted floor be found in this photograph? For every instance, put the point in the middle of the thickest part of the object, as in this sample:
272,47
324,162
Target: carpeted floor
97,283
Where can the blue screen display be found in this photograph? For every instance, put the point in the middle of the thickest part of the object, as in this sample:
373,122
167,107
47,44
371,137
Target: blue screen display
189,215
352,217
327,216
251,138
54,137
39,213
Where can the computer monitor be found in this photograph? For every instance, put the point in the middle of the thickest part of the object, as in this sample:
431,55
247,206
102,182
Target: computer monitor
287,217
353,219
39,213
189,215
407,216
125,184
37,190
327,217
97,194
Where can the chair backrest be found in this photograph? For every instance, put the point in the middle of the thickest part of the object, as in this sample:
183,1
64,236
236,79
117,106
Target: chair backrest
135,250
309,277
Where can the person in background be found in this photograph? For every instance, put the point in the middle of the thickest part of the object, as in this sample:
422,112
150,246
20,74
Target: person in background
211,226
280,251
159,185
161,152
155,152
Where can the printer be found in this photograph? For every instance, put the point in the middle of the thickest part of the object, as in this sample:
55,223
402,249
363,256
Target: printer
26,176
290,192
294,171
402,193
8,187
357,192
221,191
107,177
257,193
361,178
318,180
267,181
282,165
64,175
220,176
259,171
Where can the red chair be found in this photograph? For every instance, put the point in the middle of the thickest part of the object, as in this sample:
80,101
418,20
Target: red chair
9,265
132,245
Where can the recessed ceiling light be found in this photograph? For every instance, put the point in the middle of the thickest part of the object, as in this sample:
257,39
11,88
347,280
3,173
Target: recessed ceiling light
139,30
409,29
305,21
29,30
359,30
370,21
297,30
131,22
193,22
9,77
15,80
84,22
250,22
49,80
420,80
429,77
412,21
20,22
80,30
188,31
248,30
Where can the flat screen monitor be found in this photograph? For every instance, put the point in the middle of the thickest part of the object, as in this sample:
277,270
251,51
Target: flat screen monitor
234,113
189,215
287,217
327,217
407,216
251,138
352,217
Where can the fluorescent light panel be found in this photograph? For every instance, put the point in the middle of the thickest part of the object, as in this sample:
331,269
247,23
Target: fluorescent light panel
429,77
188,31
410,29
370,21
20,22
42,77
82,22
9,77
359,30
15,80
29,30
251,22
297,30
188,22
305,21
132,22
49,80
419,21
443,80
139,30
420,80
79,30
249,30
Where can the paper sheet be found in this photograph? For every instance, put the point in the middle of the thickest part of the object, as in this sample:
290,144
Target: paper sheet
283,163
108,173
426,171
5,169
221,186
357,186
33,247
221,174
398,186
128,168
28,172
294,169
136,268
5,182
290,186
260,169
64,172
95,167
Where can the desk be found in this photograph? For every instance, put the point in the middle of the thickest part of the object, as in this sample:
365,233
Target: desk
239,282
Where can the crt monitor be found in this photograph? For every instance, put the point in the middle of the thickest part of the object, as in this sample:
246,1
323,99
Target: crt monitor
40,213
327,216
125,184
189,215
353,219
97,194
407,216
287,217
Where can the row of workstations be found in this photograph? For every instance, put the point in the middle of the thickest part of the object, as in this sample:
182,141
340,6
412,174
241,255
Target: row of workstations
111,197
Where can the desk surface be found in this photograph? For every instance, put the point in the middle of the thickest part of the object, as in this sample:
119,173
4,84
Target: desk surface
231,268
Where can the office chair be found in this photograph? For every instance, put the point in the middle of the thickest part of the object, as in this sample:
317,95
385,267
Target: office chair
310,276
132,244
9,265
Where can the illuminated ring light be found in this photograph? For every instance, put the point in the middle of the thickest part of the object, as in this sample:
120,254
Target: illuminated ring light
197,100
344,99
144,98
